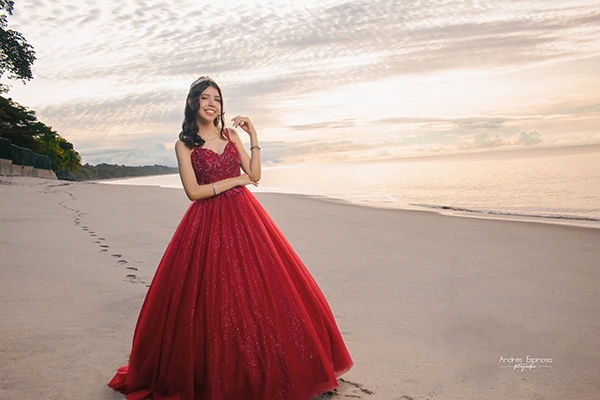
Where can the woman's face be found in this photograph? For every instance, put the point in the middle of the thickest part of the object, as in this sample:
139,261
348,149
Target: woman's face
210,104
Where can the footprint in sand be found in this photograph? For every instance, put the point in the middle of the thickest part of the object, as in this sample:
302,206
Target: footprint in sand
356,386
104,245
132,278
132,268
346,389
97,241
120,261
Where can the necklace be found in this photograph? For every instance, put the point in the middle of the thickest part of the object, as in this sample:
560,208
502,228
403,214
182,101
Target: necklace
212,138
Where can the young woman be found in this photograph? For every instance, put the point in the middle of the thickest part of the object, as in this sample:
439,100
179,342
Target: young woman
232,312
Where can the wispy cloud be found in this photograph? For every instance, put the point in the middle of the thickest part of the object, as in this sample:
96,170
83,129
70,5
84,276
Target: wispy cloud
325,125
325,43
486,140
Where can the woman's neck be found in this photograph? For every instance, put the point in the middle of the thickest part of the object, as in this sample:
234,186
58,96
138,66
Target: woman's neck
204,124
206,128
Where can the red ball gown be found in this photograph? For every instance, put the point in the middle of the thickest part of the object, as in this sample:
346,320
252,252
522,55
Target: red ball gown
232,313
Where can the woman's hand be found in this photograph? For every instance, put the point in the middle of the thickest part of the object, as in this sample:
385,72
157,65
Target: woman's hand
244,180
244,123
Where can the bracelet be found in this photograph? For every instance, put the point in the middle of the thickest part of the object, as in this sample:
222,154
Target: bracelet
215,190
255,147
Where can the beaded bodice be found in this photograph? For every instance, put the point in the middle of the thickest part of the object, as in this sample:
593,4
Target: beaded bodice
210,166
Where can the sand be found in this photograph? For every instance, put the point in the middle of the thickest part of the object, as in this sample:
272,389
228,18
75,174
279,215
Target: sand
431,306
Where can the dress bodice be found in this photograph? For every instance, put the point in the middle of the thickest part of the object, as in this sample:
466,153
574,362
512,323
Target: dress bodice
210,166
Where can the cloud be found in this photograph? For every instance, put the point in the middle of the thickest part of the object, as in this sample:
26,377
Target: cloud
487,140
148,108
526,138
480,122
323,150
349,122
480,140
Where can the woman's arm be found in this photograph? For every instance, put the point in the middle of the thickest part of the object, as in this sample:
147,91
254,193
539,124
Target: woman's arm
188,178
251,166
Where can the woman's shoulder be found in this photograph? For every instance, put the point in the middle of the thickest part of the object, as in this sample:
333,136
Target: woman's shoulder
231,134
181,146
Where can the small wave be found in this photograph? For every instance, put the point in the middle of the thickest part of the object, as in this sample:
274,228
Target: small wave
509,213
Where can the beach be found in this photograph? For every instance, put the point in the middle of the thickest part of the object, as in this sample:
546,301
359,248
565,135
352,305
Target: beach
431,306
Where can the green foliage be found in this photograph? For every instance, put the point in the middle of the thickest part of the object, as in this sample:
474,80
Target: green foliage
111,171
22,128
18,124
16,55
6,7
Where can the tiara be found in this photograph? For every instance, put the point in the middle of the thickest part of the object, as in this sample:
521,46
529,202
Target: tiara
200,80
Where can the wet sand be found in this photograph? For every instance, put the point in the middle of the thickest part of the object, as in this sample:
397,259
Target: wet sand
431,306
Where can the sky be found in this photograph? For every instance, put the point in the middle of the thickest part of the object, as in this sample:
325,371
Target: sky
322,81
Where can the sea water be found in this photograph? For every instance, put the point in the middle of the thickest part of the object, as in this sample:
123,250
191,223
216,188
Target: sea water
560,185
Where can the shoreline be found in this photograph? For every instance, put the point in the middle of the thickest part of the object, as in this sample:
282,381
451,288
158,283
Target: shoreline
454,213
441,210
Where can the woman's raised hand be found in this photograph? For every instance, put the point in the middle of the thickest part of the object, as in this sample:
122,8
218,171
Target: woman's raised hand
244,123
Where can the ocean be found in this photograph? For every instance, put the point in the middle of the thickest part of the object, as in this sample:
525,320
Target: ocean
554,185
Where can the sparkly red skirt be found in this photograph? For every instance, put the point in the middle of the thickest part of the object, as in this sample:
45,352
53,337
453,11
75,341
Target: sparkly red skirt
232,313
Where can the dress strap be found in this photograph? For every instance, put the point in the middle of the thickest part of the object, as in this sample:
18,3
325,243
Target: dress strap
226,132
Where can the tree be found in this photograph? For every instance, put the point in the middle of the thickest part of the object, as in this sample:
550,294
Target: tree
71,160
47,138
16,55
17,124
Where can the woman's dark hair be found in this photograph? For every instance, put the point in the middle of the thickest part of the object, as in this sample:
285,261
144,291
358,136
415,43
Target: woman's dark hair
189,129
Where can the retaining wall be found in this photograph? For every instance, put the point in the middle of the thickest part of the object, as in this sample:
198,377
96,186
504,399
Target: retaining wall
7,168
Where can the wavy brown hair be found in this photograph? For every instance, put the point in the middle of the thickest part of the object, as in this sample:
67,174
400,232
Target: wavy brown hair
189,129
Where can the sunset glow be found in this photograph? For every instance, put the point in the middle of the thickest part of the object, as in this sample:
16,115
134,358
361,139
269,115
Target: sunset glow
322,81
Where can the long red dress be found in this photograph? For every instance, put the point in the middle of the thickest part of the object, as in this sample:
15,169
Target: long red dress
232,312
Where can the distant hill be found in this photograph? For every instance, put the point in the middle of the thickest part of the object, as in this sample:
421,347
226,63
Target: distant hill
111,171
